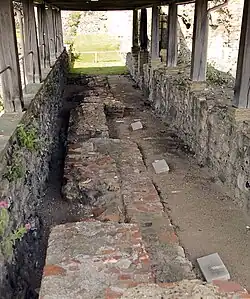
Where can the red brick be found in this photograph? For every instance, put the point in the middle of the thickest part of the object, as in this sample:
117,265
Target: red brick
125,277
110,294
53,270
229,286
168,237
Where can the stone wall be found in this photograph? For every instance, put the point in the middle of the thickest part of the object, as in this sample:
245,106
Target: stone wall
224,33
24,169
204,118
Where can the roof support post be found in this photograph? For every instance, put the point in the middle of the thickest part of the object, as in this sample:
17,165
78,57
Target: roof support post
155,35
242,84
43,36
56,37
135,33
59,31
51,34
200,41
32,57
143,30
172,40
11,77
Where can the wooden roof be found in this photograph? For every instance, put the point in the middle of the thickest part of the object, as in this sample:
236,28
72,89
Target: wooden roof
109,4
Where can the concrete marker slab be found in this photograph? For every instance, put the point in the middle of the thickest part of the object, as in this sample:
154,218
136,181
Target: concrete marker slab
160,166
213,267
136,126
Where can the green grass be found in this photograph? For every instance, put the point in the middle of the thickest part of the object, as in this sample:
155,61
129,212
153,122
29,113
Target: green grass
108,70
95,42
107,63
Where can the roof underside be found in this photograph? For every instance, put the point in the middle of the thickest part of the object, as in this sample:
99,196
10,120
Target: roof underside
110,4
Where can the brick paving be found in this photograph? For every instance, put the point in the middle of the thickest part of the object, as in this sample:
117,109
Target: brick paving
104,255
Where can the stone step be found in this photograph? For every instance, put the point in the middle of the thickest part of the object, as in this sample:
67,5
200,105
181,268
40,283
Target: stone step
93,259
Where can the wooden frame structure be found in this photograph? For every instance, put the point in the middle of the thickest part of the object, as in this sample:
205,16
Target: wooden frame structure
42,54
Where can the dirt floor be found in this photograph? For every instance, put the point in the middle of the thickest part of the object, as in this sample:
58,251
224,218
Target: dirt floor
205,219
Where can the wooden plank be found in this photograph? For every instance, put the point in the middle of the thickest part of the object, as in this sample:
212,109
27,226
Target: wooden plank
111,4
155,33
56,36
41,33
143,30
51,34
242,83
11,78
172,39
200,41
135,33
32,56
60,31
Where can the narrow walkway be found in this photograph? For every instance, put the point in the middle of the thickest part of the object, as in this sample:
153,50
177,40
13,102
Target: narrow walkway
134,224
205,219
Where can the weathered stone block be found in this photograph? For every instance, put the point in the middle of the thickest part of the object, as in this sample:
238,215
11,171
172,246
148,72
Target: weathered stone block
93,260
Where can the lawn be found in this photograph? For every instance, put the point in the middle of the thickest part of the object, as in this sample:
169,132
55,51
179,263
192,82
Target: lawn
101,61
101,70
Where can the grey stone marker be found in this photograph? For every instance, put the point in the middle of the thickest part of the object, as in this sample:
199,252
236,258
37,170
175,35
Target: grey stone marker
136,126
160,166
213,268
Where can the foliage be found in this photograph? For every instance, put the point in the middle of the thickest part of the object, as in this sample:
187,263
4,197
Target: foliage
214,76
96,42
114,70
27,138
1,104
73,23
7,241
15,170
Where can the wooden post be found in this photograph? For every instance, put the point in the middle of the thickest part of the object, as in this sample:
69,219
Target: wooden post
155,33
200,41
11,78
242,83
41,33
55,29
60,31
32,57
51,34
135,33
172,40
143,30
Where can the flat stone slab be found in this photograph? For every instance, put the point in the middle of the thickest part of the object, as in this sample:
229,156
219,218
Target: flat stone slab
160,166
136,126
8,124
93,259
213,268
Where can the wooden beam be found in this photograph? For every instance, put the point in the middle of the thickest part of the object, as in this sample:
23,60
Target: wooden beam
143,30
11,78
51,34
172,39
200,41
155,33
32,56
60,31
41,33
242,83
56,37
135,33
